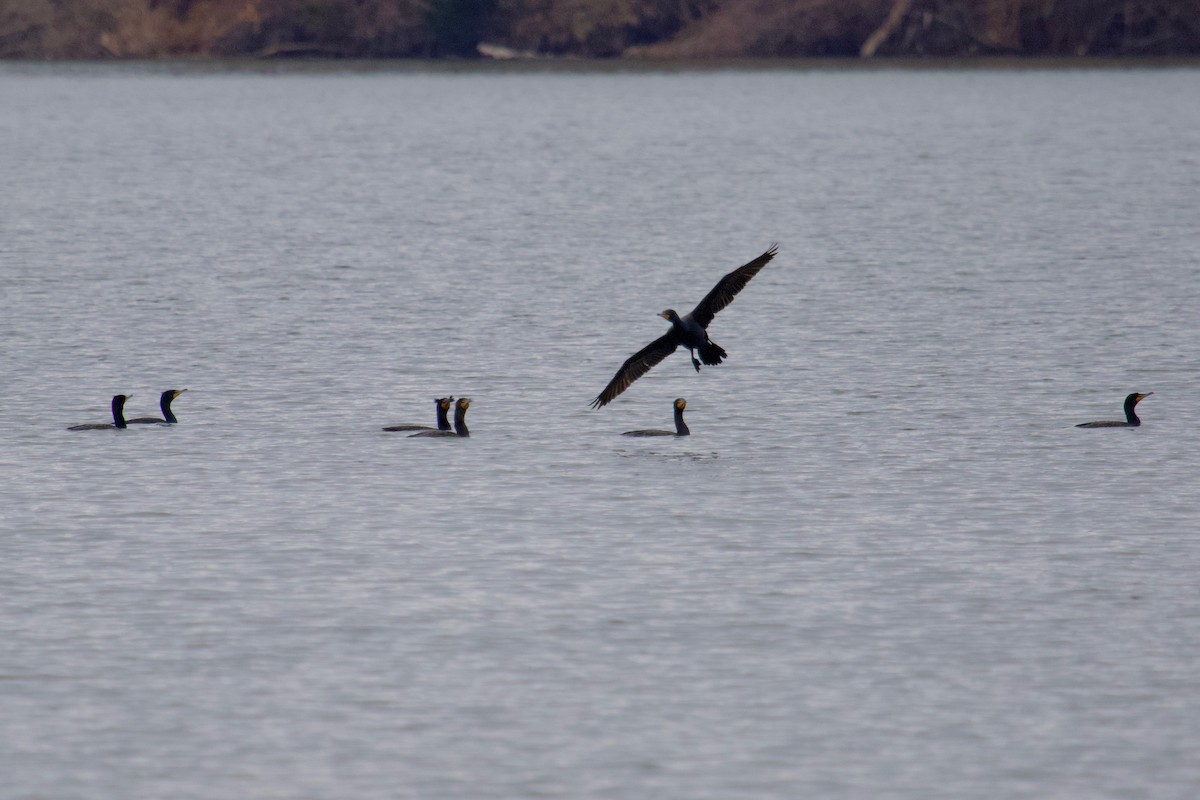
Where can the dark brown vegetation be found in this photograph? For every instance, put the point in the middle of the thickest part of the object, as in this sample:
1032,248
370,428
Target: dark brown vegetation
596,28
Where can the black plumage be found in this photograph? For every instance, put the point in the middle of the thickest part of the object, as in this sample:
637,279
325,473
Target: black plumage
690,331
681,428
441,405
460,422
164,404
1131,418
118,413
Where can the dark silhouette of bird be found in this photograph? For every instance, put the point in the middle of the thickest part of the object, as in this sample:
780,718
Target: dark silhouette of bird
1131,417
690,331
681,428
118,412
164,404
460,421
441,405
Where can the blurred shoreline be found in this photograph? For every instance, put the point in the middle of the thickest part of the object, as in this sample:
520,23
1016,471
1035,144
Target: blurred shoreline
685,31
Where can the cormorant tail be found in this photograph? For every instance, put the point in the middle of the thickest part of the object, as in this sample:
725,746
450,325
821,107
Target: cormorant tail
711,353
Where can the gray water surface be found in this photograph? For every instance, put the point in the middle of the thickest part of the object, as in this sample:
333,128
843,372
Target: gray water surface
885,564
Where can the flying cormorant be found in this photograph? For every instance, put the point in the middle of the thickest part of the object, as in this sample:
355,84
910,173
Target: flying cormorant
681,428
118,412
690,331
460,421
1131,417
441,405
164,403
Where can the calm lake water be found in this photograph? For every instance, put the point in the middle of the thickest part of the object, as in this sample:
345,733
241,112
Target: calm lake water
885,564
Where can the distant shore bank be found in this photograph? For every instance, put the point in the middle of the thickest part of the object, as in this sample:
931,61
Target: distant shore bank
689,31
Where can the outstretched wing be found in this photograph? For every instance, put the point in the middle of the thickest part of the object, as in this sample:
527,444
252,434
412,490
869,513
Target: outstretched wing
728,287
636,366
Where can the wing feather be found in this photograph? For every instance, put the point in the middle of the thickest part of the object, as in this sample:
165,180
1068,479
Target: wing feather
636,366
728,287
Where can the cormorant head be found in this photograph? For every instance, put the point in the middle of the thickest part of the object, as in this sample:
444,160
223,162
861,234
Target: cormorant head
670,315
444,402
119,400
1135,398
464,403
171,394
680,404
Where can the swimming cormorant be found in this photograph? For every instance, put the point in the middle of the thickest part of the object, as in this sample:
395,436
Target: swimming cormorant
118,412
690,331
460,421
164,403
1131,417
441,405
681,428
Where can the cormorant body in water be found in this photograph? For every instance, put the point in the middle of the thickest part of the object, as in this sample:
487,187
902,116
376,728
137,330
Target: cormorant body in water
1131,417
164,403
460,421
681,428
690,331
441,405
118,412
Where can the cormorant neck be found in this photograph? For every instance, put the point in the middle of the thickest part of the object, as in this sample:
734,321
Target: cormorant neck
443,422
164,403
1131,411
460,422
118,409
681,428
